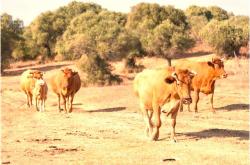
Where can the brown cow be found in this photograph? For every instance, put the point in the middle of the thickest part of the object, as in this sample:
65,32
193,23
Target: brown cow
28,81
207,73
155,88
65,83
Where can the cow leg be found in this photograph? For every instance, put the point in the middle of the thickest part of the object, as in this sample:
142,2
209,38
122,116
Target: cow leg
59,102
146,118
41,105
173,123
189,110
44,105
196,100
31,96
212,101
181,106
28,100
65,102
156,122
36,104
71,102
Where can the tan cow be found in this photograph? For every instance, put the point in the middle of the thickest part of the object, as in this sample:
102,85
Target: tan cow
207,73
28,81
40,94
155,88
65,83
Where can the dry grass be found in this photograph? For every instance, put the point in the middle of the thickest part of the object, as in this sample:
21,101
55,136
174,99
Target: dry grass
106,127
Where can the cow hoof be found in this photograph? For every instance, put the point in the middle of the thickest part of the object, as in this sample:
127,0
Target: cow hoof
154,138
174,141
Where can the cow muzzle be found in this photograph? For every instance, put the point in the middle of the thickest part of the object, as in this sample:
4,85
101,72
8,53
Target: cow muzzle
187,100
224,75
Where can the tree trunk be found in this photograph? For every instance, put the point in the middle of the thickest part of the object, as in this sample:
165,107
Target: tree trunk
169,61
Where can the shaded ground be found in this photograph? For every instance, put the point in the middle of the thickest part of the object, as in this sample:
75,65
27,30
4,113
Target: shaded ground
107,128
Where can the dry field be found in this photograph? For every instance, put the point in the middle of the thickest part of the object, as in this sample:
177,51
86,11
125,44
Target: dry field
107,128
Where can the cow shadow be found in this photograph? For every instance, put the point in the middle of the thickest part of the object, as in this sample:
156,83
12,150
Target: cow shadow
234,107
114,109
221,133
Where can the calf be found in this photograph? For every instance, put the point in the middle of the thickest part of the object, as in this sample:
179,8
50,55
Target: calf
40,94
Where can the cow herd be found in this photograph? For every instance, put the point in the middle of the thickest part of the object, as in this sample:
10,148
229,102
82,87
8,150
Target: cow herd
159,90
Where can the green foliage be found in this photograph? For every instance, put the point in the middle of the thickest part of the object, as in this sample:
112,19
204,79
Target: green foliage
198,11
159,28
10,35
218,13
102,32
241,22
168,39
196,24
43,33
223,37
131,66
98,71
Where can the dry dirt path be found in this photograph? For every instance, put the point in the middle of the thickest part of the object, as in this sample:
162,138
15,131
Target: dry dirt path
106,128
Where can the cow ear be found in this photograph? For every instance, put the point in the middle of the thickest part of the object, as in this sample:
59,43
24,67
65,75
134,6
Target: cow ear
169,79
30,75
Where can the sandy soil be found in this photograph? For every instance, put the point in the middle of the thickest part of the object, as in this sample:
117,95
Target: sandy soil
106,126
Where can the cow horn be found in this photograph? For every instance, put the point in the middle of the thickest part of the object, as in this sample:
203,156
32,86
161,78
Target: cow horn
174,75
193,72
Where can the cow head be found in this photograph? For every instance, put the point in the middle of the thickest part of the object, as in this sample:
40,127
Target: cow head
218,66
39,85
183,80
35,74
67,79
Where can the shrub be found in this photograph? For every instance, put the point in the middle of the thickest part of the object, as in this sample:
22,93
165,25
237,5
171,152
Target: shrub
98,70
223,37
130,64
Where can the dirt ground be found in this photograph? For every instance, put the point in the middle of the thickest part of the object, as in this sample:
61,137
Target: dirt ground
106,127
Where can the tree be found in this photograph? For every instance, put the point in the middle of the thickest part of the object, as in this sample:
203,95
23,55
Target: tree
168,39
196,24
103,33
43,33
11,31
218,13
241,22
160,29
223,37
198,11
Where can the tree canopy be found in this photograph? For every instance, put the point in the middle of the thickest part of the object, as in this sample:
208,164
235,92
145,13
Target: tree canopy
148,29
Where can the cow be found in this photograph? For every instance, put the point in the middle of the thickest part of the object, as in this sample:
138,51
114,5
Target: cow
207,73
65,83
158,87
40,94
28,81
